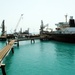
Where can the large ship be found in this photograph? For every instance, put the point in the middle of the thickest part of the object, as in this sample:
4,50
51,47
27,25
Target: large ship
65,31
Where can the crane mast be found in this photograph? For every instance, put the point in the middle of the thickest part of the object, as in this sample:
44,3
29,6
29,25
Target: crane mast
42,27
18,23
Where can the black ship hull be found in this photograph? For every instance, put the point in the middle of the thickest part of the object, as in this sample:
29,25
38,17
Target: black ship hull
3,39
70,38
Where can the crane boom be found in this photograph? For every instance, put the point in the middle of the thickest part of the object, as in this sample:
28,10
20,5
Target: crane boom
18,22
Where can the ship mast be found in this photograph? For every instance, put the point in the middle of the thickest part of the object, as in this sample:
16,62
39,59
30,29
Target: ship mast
66,17
41,27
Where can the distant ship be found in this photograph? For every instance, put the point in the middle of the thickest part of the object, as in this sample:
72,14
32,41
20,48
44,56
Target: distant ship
65,31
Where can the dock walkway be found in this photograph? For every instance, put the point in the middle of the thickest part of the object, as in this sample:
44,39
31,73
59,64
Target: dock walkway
4,52
22,39
6,49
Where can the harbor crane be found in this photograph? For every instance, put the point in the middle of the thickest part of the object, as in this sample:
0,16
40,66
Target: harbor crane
18,23
42,27
49,29
3,28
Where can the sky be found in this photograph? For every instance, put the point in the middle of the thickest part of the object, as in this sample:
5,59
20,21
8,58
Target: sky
50,11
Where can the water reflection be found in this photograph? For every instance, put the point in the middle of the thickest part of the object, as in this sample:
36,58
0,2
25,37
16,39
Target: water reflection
41,58
7,61
2,44
65,53
41,46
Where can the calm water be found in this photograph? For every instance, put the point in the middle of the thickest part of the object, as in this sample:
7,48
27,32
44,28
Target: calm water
41,58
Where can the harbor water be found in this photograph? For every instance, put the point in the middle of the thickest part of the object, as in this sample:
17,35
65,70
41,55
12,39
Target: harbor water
40,58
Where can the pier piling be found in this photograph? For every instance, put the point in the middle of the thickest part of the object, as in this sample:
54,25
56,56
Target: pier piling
32,41
3,69
18,43
12,49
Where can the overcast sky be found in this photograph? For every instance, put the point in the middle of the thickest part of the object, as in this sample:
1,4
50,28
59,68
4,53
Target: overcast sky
50,11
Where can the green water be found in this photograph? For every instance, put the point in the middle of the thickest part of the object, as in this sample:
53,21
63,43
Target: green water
41,58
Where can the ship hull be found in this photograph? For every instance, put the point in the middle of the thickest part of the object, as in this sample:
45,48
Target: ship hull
2,39
70,38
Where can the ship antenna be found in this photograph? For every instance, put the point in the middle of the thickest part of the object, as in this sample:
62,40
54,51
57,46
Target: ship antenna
66,17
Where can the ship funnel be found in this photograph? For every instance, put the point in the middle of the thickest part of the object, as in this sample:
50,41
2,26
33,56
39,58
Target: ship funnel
71,22
71,17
